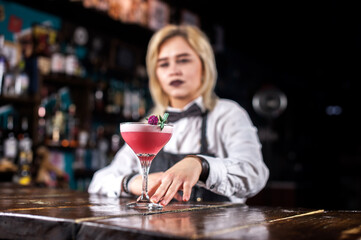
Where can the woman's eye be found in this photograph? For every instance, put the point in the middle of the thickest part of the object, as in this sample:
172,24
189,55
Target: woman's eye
162,65
184,60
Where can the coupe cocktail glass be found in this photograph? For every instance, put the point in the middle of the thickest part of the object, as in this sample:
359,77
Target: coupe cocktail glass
146,141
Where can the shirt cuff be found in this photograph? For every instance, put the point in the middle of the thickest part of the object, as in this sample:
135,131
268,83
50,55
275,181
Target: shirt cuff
217,172
126,181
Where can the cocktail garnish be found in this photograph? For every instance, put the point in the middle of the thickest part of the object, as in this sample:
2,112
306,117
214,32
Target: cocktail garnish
160,121
152,120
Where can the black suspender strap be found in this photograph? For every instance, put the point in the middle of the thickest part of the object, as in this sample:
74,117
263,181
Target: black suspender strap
204,143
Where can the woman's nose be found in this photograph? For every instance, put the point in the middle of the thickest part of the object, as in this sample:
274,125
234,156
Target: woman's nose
175,70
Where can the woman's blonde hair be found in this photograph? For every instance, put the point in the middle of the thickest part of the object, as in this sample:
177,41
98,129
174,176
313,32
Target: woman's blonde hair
199,42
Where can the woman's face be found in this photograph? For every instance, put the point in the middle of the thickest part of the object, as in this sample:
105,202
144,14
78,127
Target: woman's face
179,71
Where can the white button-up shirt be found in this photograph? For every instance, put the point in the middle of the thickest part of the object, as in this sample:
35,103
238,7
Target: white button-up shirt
237,170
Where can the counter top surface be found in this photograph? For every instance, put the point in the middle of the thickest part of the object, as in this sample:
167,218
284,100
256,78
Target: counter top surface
41,213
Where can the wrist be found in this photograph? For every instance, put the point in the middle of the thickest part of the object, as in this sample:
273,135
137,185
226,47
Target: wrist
205,168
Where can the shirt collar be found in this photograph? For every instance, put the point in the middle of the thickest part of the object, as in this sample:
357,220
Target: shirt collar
198,101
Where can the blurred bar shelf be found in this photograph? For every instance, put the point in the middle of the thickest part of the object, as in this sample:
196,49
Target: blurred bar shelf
29,100
69,81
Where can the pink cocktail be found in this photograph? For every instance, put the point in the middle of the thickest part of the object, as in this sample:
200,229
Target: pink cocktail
146,141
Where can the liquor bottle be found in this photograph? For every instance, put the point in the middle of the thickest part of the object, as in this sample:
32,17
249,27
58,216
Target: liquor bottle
25,155
142,103
127,110
72,128
99,99
3,64
41,124
57,62
102,147
21,79
135,102
71,61
24,129
58,122
10,143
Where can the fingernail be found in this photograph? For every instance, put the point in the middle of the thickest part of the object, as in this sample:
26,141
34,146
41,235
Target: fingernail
154,200
163,203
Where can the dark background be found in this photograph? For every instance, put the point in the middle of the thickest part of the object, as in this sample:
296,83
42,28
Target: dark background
310,50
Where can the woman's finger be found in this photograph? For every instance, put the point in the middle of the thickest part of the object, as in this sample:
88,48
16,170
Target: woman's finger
172,190
187,190
162,189
178,197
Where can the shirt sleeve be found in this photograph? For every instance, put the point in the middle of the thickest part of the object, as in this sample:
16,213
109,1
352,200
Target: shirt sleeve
107,181
238,170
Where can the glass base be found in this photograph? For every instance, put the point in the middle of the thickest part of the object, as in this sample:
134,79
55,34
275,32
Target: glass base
144,205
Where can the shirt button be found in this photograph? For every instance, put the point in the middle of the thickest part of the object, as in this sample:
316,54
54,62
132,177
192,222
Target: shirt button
212,186
199,199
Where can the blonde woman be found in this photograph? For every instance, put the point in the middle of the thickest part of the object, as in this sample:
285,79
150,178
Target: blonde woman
214,153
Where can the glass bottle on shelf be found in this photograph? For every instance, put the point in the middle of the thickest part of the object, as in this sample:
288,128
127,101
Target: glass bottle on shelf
58,120
21,79
127,109
57,61
100,160
25,155
10,143
3,63
41,124
99,99
142,103
135,103
7,80
72,126
71,61
46,112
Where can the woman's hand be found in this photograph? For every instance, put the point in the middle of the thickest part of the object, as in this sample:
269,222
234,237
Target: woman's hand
182,176
154,180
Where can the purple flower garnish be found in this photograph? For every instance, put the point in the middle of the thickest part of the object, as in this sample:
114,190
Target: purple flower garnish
160,121
153,120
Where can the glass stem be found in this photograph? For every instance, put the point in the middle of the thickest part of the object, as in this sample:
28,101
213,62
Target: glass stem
145,167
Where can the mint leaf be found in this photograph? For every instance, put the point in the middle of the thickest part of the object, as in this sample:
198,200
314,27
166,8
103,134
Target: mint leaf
165,117
162,120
